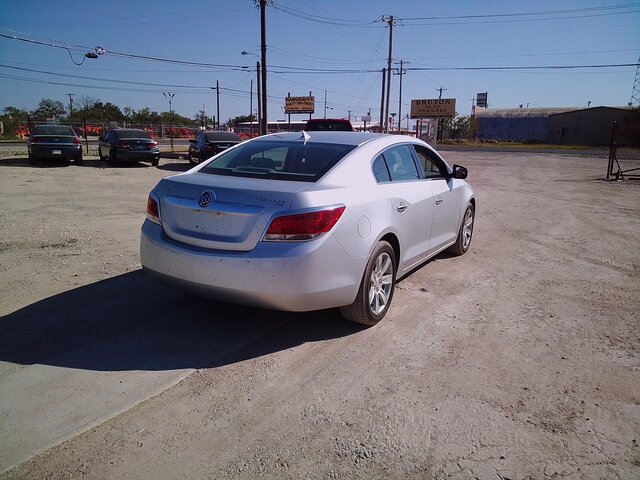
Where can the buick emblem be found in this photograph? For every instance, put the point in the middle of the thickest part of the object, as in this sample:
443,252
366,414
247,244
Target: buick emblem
206,198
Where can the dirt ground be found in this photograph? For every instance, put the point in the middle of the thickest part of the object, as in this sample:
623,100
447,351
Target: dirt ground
518,360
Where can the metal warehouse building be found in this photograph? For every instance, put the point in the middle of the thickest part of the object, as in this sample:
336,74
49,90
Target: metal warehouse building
516,124
587,126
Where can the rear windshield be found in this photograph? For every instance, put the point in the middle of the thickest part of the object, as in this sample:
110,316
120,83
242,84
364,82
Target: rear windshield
132,134
328,126
294,161
222,137
53,130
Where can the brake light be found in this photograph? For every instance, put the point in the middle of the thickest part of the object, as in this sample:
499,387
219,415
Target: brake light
153,210
36,139
306,226
153,144
123,145
76,141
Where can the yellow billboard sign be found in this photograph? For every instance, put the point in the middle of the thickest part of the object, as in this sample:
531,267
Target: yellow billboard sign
433,108
299,104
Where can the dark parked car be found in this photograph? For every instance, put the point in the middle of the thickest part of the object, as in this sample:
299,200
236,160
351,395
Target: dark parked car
128,144
208,144
54,142
328,124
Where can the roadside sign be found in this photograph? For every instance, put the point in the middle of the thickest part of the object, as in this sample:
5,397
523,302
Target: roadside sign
481,99
299,104
433,108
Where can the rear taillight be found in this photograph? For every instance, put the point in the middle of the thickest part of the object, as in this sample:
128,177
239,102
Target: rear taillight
76,141
153,144
306,226
123,145
153,209
36,139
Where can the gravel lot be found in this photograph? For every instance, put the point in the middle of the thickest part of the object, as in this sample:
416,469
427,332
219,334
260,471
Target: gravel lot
519,360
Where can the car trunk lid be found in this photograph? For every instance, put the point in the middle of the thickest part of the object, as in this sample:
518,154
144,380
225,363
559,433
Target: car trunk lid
221,213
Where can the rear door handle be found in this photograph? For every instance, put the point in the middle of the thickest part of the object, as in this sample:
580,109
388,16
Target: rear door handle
438,201
401,208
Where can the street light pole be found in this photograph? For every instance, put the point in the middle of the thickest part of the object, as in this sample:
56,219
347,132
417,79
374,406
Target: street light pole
169,96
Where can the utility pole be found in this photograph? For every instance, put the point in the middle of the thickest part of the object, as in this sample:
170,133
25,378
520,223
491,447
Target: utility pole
217,105
384,78
251,106
386,113
440,125
70,103
258,97
400,72
263,53
325,104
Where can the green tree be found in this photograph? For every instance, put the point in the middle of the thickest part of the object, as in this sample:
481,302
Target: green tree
14,114
201,118
48,108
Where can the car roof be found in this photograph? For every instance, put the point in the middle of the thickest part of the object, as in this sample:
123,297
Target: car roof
130,130
342,138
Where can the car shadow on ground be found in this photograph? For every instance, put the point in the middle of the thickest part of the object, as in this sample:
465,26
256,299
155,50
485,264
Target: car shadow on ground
24,162
182,166
131,322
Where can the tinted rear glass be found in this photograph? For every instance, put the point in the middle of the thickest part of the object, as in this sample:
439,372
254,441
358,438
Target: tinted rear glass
222,137
328,126
52,130
132,134
294,161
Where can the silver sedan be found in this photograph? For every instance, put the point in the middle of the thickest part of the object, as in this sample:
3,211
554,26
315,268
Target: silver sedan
307,221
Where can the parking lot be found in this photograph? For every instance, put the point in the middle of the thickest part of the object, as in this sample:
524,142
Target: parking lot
520,359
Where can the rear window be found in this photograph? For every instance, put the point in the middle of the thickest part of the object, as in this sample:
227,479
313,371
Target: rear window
293,161
52,130
132,134
329,126
222,137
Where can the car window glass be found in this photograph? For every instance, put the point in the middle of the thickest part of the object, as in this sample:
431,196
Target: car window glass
279,160
380,170
431,165
400,163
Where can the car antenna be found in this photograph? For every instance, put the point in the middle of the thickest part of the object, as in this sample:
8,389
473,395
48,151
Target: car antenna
305,136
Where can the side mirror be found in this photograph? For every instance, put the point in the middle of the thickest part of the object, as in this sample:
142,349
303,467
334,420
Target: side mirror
459,172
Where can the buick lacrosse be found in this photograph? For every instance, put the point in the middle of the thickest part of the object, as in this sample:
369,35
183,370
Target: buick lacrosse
308,220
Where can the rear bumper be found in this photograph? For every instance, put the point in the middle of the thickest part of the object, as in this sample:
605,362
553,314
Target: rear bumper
300,276
138,155
55,151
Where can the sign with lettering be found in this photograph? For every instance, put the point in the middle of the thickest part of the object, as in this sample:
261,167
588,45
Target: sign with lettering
299,104
481,99
433,108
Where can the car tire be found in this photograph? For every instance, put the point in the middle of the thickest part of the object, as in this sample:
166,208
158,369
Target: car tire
155,162
32,160
112,157
376,288
465,233
79,160
191,160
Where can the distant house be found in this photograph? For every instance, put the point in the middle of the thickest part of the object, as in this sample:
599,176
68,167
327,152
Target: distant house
588,126
515,124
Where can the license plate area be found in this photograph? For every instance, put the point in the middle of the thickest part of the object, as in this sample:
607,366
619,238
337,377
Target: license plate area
56,152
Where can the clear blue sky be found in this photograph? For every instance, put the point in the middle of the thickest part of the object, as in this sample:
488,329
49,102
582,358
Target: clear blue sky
331,35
